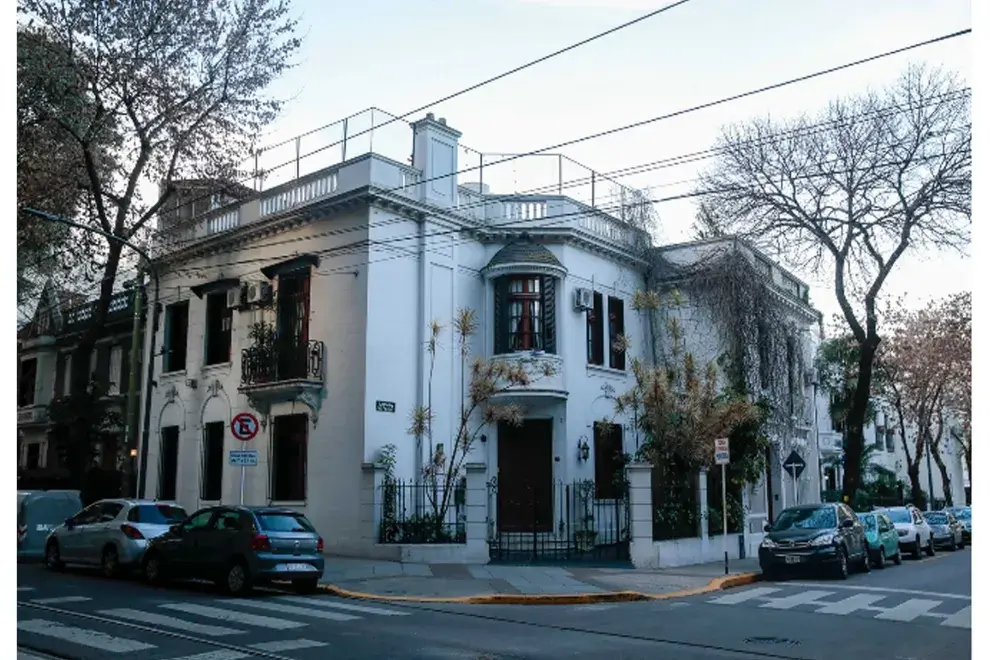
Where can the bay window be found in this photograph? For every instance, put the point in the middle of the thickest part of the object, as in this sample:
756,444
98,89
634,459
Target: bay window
525,314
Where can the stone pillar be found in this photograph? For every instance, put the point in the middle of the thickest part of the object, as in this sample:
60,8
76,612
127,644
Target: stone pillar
702,492
476,513
372,479
641,549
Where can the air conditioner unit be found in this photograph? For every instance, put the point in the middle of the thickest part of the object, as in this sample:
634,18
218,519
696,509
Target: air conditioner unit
584,300
257,292
234,297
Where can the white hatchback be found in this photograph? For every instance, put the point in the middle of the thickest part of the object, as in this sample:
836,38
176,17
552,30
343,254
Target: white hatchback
913,532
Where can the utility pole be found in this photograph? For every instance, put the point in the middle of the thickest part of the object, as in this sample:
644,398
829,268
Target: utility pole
132,398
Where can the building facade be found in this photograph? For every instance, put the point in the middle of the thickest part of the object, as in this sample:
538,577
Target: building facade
50,373
309,307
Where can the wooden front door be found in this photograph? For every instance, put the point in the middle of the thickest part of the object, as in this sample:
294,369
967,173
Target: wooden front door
525,476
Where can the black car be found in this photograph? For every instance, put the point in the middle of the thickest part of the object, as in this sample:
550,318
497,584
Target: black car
817,537
238,547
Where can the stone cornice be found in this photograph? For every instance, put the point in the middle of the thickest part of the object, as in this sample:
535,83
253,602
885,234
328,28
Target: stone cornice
524,268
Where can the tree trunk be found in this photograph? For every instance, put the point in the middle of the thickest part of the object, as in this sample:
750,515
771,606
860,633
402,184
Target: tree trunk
946,483
856,418
917,496
81,374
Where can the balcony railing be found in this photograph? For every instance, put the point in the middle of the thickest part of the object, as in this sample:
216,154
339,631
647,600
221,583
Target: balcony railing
279,362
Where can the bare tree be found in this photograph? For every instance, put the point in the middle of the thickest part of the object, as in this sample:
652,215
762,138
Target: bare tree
889,173
180,85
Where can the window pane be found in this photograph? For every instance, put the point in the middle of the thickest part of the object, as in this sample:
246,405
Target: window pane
284,522
157,514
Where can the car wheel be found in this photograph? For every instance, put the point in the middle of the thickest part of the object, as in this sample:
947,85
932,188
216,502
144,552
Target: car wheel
53,557
898,558
866,564
110,562
882,558
307,586
916,550
842,566
930,550
152,569
237,579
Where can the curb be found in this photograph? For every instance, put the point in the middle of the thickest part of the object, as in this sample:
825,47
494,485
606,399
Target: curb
717,584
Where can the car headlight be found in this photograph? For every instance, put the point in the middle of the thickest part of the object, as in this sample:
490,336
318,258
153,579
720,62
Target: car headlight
824,539
768,543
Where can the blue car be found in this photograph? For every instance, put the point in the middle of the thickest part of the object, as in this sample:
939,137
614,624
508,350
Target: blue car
238,547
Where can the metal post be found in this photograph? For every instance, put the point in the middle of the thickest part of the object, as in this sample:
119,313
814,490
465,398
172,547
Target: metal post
794,482
592,189
928,461
343,144
560,174
257,175
132,379
725,524
371,133
243,473
298,144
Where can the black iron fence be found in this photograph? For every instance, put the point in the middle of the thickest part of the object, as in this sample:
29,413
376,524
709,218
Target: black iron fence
420,513
557,522
676,514
280,361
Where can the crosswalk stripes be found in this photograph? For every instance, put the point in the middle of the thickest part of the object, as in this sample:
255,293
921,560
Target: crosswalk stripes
83,636
879,604
293,610
165,621
61,600
208,620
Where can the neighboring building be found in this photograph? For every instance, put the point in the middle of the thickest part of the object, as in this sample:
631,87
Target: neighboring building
46,372
787,350
888,453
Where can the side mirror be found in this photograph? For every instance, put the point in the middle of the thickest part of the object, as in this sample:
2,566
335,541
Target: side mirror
848,524
766,527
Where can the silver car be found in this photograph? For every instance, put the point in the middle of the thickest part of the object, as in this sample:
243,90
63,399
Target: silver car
112,534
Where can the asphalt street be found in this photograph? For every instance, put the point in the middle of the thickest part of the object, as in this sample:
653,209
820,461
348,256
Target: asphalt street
916,611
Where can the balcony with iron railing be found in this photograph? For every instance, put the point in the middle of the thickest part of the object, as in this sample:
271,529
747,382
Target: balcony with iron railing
371,148
265,365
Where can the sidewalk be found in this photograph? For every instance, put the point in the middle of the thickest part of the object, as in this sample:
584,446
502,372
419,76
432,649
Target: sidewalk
505,584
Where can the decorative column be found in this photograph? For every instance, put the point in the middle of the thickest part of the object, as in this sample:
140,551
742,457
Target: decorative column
641,549
476,514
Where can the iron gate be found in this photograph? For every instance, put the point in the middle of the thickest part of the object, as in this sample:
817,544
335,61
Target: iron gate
559,522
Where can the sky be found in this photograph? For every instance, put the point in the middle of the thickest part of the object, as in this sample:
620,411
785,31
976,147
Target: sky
398,55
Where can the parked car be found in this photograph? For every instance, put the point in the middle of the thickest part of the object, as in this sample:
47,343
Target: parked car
238,547
948,532
964,515
820,537
38,513
914,534
881,537
112,534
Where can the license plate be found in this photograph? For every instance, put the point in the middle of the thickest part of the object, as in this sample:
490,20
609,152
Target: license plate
298,567
792,559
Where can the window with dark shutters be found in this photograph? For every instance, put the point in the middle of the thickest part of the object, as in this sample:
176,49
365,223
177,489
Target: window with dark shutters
176,329
525,314
596,332
218,323
168,468
616,328
289,455
212,471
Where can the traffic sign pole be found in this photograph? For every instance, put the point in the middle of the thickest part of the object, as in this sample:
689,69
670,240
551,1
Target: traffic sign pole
244,427
725,524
